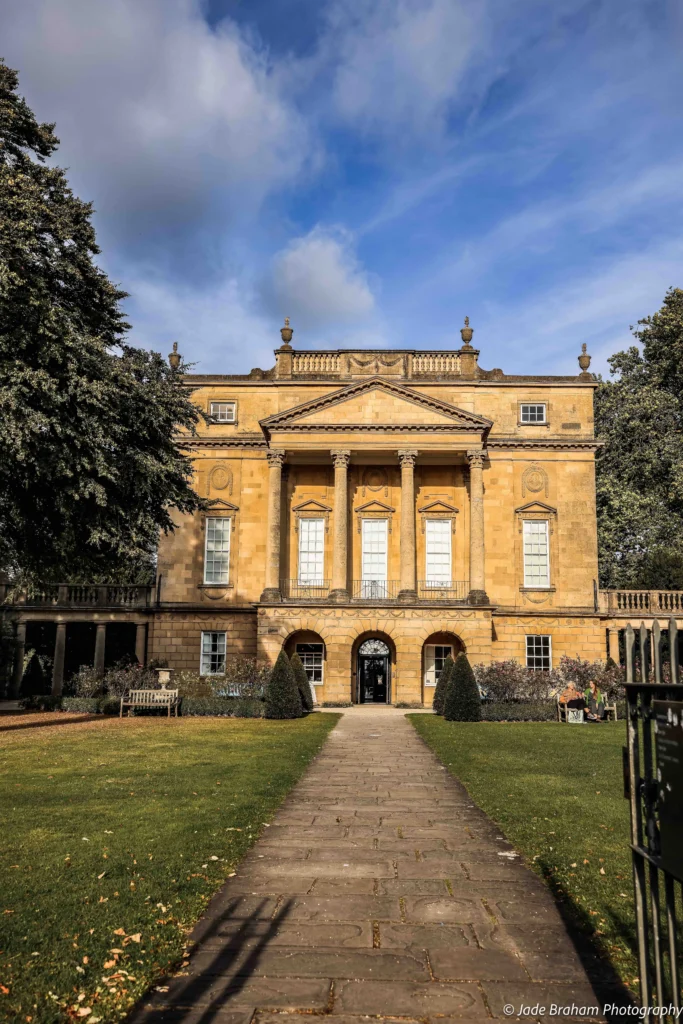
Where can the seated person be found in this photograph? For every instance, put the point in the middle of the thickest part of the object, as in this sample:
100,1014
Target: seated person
572,697
595,702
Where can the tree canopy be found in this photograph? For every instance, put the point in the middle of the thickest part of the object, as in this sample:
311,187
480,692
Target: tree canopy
639,416
89,468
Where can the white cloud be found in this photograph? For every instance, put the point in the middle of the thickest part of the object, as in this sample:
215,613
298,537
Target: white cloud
318,281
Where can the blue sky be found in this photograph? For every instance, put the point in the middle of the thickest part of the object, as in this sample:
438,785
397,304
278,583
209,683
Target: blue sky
375,169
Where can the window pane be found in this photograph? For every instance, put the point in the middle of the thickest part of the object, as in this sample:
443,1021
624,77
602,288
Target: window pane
536,563
533,413
374,564
224,412
311,551
538,653
312,659
217,554
438,545
212,662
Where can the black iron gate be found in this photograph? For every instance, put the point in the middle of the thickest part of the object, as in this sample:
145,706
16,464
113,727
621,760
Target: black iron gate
653,779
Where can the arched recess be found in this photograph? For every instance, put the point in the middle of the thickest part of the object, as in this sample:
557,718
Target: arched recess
377,645
435,650
311,648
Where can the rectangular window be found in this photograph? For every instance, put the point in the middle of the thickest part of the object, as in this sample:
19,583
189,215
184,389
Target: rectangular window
374,558
435,655
536,555
223,412
438,558
217,551
213,654
311,551
533,413
539,653
312,659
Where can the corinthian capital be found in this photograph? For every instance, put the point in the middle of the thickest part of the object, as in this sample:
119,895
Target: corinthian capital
475,457
275,458
407,456
341,458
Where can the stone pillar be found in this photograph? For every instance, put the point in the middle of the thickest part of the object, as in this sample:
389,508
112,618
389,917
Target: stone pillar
340,570
477,593
100,641
58,663
276,461
140,642
19,653
408,591
613,635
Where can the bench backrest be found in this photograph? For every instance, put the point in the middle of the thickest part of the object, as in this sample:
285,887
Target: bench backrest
152,697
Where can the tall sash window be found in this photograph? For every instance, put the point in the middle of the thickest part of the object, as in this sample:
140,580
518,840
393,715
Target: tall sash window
311,551
374,557
217,551
536,553
438,556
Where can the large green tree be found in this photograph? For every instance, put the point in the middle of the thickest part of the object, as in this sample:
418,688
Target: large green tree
639,416
89,469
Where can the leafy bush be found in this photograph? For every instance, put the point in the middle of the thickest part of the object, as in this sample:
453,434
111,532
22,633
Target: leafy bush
609,676
244,676
89,705
282,692
442,686
41,702
508,681
87,683
462,703
227,707
191,684
409,704
518,711
337,704
302,682
125,676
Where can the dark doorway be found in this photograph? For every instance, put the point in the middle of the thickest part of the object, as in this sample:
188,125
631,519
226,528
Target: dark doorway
374,673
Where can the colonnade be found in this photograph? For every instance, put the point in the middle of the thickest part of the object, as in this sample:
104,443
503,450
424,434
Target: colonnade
408,590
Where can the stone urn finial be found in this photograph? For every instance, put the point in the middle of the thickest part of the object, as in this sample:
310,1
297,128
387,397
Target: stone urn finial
466,333
286,333
584,361
174,357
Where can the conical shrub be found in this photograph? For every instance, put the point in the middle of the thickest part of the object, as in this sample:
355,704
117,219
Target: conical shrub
282,694
462,703
442,685
302,682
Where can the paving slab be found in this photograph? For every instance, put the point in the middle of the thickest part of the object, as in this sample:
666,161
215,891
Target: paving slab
377,891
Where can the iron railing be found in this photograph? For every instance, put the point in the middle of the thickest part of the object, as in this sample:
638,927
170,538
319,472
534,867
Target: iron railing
68,595
454,590
653,783
305,590
375,590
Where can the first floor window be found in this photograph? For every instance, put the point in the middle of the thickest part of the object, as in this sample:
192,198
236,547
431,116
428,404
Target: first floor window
212,661
536,555
312,659
438,552
311,551
435,655
223,412
539,653
217,551
532,413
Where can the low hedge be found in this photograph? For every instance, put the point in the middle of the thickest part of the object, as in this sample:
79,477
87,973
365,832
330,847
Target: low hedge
228,707
518,711
41,702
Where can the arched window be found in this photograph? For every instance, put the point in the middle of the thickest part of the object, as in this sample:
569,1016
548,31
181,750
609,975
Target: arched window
376,647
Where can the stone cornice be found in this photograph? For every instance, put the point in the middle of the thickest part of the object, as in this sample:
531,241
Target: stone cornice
246,441
552,444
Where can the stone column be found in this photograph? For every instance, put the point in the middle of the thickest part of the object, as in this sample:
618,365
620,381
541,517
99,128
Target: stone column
58,663
408,591
140,642
477,593
340,570
613,635
276,461
100,641
19,653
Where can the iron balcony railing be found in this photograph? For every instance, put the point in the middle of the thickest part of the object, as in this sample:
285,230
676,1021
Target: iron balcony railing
305,590
453,590
67,595
375,590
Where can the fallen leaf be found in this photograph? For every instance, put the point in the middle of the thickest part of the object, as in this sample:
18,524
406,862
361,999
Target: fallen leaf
4,990
136,937
602,871
108,964
85,959
102,875
119,931
83,1011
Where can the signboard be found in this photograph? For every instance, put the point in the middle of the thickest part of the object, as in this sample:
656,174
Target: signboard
669,731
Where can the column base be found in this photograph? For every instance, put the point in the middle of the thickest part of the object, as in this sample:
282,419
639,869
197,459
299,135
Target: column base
339,596
271,594
478,597
407,596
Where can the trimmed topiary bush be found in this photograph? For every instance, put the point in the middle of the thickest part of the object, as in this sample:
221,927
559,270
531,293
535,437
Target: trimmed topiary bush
442,685
462,703
282,693
302,682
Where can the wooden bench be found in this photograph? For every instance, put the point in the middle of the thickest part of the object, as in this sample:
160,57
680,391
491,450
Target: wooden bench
610,711
150,699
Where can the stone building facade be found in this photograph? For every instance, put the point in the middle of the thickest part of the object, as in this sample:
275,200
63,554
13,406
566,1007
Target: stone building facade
375,510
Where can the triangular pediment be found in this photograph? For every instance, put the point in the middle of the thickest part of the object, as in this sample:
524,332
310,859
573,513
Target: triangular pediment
221,505
374,506
311,505
536,506
439,506
376,402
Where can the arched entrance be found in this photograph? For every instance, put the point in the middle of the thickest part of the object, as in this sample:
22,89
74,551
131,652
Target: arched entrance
310,647
435,650
373,672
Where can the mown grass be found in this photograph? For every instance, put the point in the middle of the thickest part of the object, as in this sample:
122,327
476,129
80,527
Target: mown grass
557,793
115,834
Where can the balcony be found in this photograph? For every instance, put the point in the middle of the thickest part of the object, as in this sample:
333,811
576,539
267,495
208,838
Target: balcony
304,590
68,596
642,602
452,592
375,590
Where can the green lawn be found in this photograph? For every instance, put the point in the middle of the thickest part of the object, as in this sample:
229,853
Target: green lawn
113,836
557,793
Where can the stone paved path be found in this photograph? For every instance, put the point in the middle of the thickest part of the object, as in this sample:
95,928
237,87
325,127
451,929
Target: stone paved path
378,890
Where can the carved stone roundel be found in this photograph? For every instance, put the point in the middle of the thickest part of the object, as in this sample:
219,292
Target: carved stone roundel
221,478
534,479
375,478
